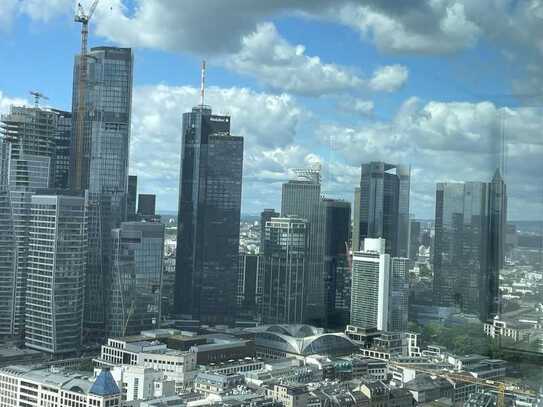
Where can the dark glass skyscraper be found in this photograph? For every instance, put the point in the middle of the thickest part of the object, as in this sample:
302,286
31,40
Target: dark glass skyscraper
131,197
103,169
469,244
265,216
414,239
250,272
60,165
146,204
337,220
208,217
383,210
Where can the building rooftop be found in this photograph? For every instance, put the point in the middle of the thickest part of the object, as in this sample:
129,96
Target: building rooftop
71,381
105,385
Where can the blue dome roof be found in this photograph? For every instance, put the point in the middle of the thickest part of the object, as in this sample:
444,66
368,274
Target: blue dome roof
105,385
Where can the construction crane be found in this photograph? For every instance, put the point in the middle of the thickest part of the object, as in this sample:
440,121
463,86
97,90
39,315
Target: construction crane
81,17
37,96
128,316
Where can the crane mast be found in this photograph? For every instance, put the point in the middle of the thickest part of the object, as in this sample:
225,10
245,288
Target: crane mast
82,80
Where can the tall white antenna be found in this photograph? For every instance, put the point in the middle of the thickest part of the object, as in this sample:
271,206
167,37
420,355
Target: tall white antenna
202,83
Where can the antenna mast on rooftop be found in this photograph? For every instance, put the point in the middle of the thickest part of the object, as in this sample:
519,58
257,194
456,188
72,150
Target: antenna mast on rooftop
202,83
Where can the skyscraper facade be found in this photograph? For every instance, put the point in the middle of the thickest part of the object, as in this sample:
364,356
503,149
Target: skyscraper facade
60,166
57,252
337,225
384,206
99,164
469,240
136,277
208,217
285,253
146,205
371,286
27,149
132,197
399,295
250,273
355,235
414,239
301,197
265,217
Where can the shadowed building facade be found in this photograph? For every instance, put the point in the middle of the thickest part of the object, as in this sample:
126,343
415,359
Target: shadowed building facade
382,207
208,217
469,245
337,224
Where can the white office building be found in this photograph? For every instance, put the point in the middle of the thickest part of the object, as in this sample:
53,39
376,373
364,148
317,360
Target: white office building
57,251
371,286
178,366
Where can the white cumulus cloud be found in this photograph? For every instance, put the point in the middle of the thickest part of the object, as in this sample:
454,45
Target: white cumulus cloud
389,78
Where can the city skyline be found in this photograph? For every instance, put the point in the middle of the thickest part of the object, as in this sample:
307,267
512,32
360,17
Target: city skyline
295,126
383,265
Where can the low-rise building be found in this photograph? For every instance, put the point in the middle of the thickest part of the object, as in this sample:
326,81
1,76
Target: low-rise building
289,395
29,386
143,383
139,351
299,341
236,366
222,348
517,331
425,388
217,383
464,362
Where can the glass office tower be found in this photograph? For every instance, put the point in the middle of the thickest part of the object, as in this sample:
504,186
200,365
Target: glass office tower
469,245
208,217
99,164
337,220
136,278
132,197
285,251
60,167
27,148
57,251
301,197
399,295
382,210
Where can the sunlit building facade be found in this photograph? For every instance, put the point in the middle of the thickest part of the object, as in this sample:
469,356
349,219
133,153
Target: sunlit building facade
99,164
136,278
57,250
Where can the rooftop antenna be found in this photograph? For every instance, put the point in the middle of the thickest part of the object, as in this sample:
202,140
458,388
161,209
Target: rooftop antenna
37,96
202,83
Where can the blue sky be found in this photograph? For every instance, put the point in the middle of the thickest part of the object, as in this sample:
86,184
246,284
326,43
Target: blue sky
335,82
